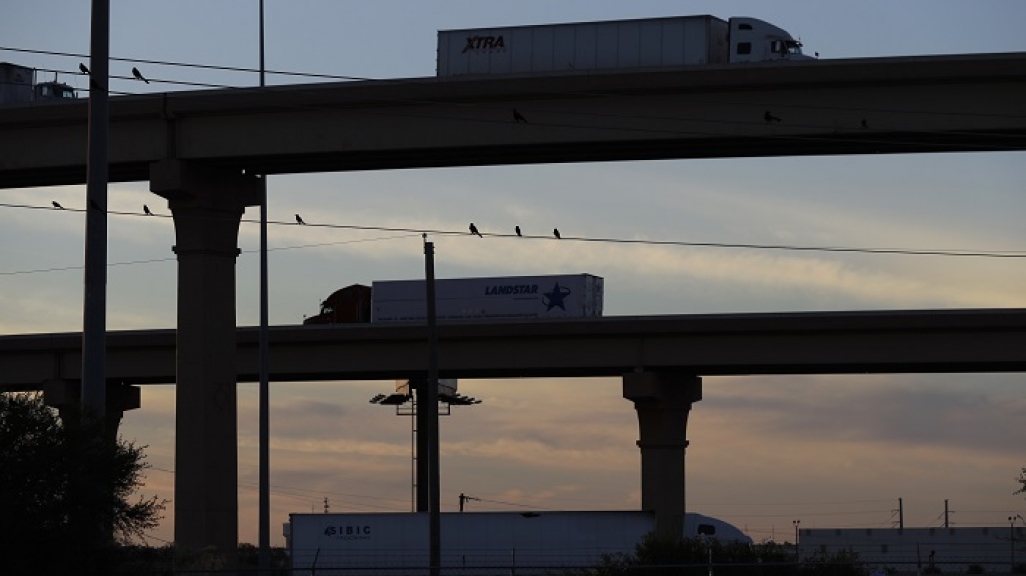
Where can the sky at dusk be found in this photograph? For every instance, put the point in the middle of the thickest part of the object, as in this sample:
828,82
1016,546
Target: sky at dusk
832,451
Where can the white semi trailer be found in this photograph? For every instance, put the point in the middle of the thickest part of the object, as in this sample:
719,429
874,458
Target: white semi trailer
479,543
617,44
500,298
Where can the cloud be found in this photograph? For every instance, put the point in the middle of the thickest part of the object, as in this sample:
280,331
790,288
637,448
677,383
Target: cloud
878,410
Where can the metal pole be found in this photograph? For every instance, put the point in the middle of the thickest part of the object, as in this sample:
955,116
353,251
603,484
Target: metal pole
264,536
431,405
797,550
1011,529
94,330
423,463
901,514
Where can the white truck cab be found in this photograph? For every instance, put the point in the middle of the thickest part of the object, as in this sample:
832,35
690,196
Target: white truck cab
754,40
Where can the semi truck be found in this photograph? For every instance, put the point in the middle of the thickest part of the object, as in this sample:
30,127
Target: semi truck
617,44
18,85
480,543
497,298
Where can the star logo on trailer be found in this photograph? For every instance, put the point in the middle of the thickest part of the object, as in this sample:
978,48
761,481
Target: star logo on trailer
556,297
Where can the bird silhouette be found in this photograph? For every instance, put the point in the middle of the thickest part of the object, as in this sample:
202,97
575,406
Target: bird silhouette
518,231
83,69
146,209
299,220
138,75
769,117
518,117
555,232
57,206
473,230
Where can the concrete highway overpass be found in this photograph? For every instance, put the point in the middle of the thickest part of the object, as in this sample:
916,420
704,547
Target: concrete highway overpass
661,360
913,341
852,106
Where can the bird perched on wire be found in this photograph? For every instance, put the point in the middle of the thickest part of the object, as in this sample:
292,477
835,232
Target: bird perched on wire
473,230
146,209
57,206
518,117
555,232
518,231
769,117
299,220
84,69
138,75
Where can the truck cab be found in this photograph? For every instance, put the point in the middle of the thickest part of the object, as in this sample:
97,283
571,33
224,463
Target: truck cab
54,91
754,40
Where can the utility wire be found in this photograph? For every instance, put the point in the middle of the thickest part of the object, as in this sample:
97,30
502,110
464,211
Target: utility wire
411,232
194,65
513,504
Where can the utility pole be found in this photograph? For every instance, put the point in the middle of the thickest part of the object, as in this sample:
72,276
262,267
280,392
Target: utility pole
464,498
946,512
264,440
901,514
431,406
1011,530
94,329
93,394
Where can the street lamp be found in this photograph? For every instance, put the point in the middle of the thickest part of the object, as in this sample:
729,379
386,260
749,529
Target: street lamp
797,556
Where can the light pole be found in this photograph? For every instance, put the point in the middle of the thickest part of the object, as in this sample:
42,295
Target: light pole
797,555
264,410
1011,532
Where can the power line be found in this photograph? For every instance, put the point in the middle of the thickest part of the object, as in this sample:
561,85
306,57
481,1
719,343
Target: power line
194,65
512,504
411,232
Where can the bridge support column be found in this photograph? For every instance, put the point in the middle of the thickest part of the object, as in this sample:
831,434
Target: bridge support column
207,206
663,401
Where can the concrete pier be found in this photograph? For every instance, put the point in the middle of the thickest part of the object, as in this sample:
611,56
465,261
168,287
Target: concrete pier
207,206
663,401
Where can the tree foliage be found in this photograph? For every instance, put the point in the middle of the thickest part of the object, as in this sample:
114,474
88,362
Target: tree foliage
66,492
1022,482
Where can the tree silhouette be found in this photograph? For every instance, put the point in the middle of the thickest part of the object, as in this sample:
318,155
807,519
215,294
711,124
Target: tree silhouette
65,492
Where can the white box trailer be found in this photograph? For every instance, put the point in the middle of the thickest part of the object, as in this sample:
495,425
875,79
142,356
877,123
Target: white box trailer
502,298
613,45
16,83
478,543
471,543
